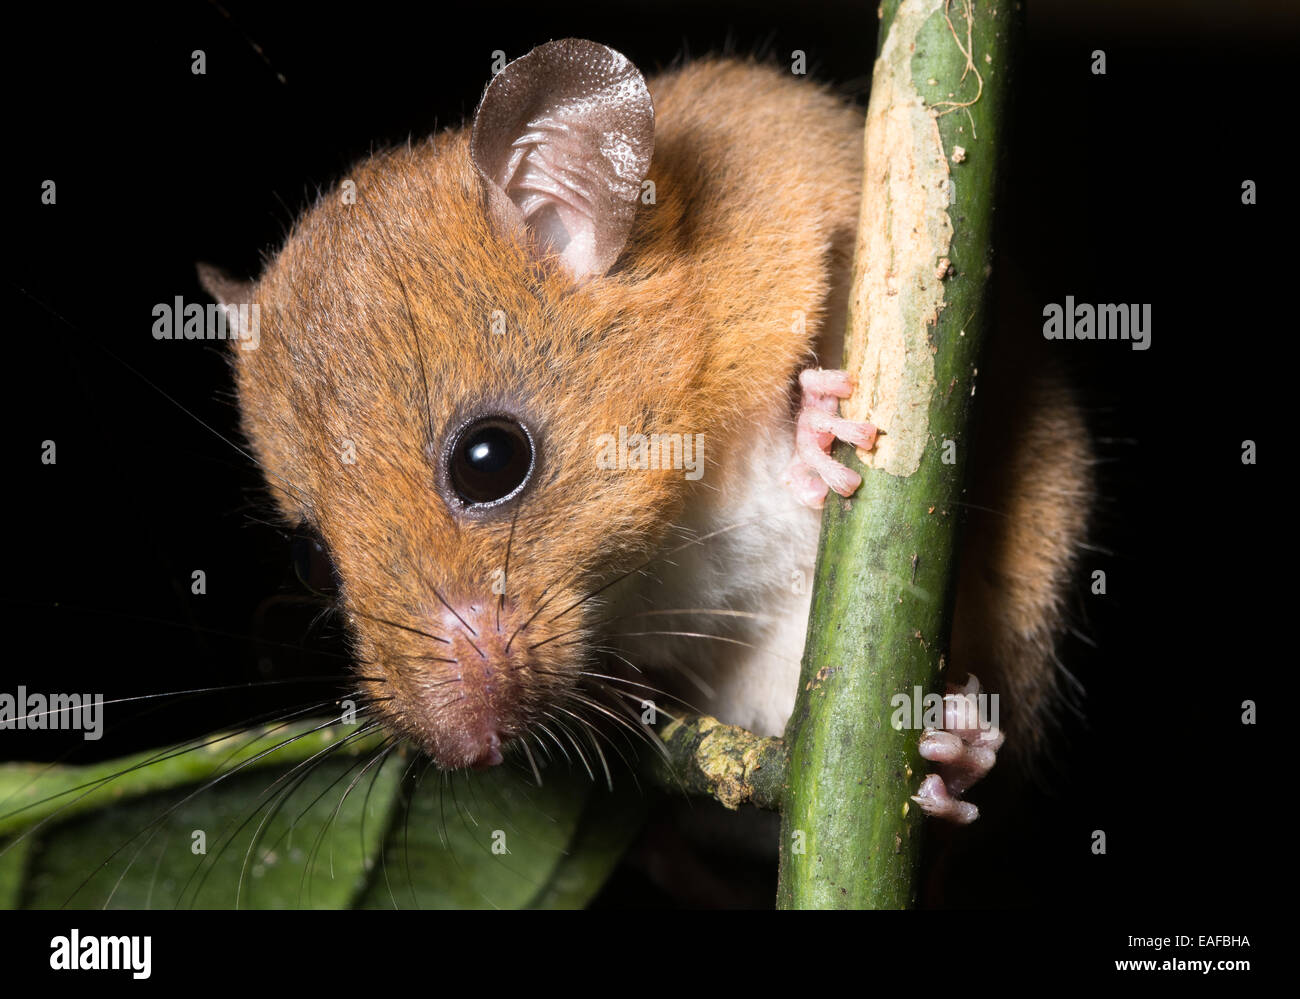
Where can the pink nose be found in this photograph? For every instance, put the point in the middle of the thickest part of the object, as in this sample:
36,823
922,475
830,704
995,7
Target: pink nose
479,714
489,752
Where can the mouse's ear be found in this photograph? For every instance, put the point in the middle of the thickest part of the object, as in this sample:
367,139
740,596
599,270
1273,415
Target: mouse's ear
234,297
563,137
221,286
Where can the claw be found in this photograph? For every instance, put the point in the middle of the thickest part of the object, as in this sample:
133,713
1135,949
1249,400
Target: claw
934,799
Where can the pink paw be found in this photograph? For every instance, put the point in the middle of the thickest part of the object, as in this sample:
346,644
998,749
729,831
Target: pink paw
813,472
965,751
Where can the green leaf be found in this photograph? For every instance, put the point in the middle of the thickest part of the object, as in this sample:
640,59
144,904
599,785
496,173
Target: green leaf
493,839
313,847
34,792
253,820
605,831
13,864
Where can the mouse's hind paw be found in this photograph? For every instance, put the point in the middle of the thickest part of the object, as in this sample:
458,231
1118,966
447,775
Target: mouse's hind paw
965,749
813,472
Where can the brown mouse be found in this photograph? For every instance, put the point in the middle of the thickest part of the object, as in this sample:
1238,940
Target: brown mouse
469,349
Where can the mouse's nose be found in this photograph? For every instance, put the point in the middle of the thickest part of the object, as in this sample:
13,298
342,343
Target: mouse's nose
489,752
476,743
480,705
483,671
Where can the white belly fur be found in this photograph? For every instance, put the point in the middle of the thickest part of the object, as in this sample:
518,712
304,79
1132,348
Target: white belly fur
761,568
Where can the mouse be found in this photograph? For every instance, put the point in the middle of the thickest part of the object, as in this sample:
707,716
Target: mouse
555,393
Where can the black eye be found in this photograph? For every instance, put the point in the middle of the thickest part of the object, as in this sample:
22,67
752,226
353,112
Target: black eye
312,562
490,460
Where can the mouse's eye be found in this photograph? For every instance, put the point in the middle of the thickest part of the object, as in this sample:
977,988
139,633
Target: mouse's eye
490,460
312,562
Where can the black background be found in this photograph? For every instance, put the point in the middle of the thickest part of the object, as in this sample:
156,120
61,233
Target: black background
1119,188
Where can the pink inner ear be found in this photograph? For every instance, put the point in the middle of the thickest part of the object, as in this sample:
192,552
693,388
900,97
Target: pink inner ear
566,134
554,190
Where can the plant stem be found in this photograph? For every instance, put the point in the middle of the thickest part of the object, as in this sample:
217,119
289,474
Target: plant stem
723,762
851,837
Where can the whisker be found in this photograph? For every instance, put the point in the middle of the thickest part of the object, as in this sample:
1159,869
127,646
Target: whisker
429,659
697,634
537,774
189,797
383,845
666,695
505,571
542,747
587,730
454,612
159,828
542,726
381,229
275,803
406,822
652,613
665,555
96,341
572,742
164,623
187,693
542,606
330,823
642,732
160,756
705,688
720,612
402,627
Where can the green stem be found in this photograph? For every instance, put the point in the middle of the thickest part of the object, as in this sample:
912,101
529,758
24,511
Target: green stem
851,837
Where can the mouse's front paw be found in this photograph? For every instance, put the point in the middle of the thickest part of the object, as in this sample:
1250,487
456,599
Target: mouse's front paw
965,749
813,472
